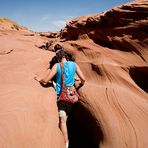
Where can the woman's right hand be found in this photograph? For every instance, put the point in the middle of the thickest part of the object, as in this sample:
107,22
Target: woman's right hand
37,78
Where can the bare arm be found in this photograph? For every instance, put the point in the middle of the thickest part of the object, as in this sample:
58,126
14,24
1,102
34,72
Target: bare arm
49,76
80,74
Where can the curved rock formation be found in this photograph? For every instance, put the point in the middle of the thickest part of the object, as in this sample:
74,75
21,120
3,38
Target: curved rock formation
28,111
111,49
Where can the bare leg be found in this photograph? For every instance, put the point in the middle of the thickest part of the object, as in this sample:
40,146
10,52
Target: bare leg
63,125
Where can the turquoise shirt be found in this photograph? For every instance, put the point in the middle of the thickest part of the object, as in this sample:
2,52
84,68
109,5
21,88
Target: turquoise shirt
69,75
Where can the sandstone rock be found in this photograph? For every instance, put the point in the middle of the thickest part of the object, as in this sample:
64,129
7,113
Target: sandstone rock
28,112
114,58
111,49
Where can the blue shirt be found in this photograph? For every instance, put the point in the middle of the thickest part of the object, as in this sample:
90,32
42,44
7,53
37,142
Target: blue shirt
69,75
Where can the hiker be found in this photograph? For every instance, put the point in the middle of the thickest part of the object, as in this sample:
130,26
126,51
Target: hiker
65,72
54,60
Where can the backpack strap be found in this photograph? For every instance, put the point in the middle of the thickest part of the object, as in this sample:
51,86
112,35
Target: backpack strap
62,69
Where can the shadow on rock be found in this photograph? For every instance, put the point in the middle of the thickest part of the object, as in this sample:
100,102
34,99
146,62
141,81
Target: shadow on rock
140,76
84,130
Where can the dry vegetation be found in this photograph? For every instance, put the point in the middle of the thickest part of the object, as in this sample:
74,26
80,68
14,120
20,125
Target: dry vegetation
6,23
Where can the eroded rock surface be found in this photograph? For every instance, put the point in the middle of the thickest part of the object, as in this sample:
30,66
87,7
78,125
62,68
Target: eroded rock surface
112,51
28,111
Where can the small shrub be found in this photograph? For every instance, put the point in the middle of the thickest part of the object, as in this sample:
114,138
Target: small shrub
1,20
15,26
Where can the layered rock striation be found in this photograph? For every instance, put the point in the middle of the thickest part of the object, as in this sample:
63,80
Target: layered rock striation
112,51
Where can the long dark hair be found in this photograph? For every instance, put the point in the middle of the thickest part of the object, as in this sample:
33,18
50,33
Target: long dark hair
61,54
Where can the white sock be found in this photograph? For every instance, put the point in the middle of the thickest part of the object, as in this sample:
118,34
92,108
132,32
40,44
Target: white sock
67,144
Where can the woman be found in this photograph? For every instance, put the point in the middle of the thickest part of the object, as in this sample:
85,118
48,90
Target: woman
70,69
54,59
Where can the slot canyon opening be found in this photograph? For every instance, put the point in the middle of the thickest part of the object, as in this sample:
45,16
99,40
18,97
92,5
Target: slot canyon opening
83,129
140,76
